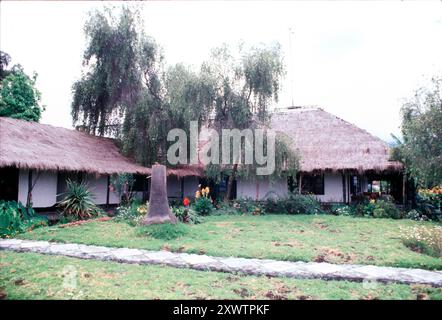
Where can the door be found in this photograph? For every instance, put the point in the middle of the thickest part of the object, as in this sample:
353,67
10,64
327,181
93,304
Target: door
9,184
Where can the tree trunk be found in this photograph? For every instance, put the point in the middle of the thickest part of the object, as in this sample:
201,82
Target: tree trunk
230,183
159,211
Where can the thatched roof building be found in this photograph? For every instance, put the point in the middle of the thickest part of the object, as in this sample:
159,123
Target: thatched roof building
31,145
328,143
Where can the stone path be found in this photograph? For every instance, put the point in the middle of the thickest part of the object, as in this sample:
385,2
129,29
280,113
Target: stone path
233,265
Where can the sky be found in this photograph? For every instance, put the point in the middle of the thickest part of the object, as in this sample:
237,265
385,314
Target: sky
357,60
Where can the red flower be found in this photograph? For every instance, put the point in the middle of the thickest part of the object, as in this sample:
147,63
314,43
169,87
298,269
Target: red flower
186,202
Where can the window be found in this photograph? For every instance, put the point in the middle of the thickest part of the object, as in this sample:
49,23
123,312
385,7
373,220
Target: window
355,185
140,183
313,184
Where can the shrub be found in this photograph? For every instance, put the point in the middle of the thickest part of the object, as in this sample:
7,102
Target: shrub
248,205
186,215
15,218
363,209
164,231
385,209
203,204
293,204
424,239
133,213
78,201
416,215
226,208
123,184
341,210
429,202
376,209
143,209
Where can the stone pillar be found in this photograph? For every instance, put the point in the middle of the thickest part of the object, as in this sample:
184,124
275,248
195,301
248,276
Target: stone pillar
159,211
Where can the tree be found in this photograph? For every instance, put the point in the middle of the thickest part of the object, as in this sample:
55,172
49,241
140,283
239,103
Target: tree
244,87
5,59
127,92
111,81
19,98
421,150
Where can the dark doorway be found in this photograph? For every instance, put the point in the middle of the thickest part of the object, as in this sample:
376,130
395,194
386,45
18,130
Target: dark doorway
218,189
9,184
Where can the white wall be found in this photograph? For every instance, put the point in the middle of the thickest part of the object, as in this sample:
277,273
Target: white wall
98,186
253,189
190,186
174,186
45,189
332,188
260,189
44,193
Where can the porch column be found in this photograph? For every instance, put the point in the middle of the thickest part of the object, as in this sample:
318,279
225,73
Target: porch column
181,187
29,197
300,183
344,189
107,190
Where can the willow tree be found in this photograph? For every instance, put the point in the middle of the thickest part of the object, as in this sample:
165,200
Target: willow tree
127,92
111,79
245,86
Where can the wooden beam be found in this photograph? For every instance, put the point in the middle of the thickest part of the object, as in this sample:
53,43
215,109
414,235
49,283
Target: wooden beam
108,190
29,197
300,183
344,192
182,187
144,197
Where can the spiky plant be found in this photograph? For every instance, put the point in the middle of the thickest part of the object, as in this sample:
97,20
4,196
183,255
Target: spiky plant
78,201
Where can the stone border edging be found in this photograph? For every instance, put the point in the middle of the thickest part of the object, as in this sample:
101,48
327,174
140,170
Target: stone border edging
273,268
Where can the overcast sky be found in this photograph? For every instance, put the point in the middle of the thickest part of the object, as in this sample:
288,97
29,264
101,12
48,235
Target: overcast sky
357,60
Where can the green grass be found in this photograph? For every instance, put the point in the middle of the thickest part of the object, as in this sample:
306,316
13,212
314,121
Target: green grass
335,239
36,276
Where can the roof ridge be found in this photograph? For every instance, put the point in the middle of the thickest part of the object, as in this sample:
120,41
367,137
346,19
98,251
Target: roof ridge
315,108
357,127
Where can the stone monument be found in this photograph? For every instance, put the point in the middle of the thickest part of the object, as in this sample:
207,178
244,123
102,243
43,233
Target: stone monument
159,211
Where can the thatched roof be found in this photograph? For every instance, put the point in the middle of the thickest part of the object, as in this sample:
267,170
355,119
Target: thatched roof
33,145
186,170
328,143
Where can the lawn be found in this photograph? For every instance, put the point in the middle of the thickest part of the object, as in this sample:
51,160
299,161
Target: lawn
36,276
335,239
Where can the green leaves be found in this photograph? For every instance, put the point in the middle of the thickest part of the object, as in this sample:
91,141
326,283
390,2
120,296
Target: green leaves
15,218
19,97
78,201
112,72
422,132
127,91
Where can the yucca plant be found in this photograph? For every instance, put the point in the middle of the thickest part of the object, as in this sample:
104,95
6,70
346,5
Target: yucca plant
78,201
